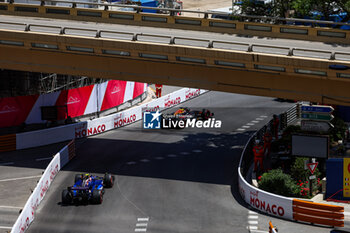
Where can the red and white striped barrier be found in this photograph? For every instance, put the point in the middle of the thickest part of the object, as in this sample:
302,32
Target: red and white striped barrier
79,101
102,124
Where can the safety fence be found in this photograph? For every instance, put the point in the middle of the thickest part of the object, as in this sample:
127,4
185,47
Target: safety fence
280,206
76,102
261,26
57,163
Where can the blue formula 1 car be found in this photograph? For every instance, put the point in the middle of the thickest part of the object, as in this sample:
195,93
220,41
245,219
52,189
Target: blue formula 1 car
87,188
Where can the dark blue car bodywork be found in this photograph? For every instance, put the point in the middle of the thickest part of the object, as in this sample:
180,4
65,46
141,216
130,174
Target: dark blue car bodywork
87,188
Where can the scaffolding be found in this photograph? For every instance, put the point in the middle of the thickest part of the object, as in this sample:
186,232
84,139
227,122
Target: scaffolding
19,83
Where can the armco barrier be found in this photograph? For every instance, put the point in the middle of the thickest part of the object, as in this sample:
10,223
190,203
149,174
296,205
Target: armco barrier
8,142
28,213
102,124
317,213
280,206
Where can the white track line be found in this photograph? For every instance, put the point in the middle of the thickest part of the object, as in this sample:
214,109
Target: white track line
141,224
21,178
263,116
253,222
140,230
258,231
253,217
246,126
255,122
4,164
41,159
3,227
240,129
9,207
259,119
251,124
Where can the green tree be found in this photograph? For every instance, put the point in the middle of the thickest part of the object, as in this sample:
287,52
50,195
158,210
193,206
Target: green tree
338,132
252,7
275,181
280,8
300,174
297,170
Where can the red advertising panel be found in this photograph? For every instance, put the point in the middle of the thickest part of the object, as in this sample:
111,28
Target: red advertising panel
14,110
75,100
114,95
138,89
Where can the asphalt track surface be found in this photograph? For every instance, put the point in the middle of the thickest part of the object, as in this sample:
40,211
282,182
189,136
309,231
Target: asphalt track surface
172,32
166,180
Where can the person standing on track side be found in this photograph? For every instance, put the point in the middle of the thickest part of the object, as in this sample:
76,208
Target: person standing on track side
258,151
276,124
267,142
159,90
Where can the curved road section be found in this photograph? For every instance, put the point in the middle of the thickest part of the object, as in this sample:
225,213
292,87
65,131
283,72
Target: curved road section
166,180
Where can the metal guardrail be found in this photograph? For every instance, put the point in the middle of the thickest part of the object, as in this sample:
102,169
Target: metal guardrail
289,28
172,11
289,51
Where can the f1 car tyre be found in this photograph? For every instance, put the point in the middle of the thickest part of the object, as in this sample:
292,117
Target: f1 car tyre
97,196
108,180
77,177
66,197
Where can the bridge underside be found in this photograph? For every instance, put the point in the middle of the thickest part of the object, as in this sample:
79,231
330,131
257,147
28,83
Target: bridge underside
298,87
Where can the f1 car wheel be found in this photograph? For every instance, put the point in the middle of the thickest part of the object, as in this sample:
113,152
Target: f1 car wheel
97,196
66,197
77,178
108,180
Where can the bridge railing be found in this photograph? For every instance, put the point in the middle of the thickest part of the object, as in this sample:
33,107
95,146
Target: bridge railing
235,24
175,40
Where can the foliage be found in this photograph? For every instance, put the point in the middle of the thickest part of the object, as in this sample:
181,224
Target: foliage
275,181
302,8
252,7
337,133
281,7
301,175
